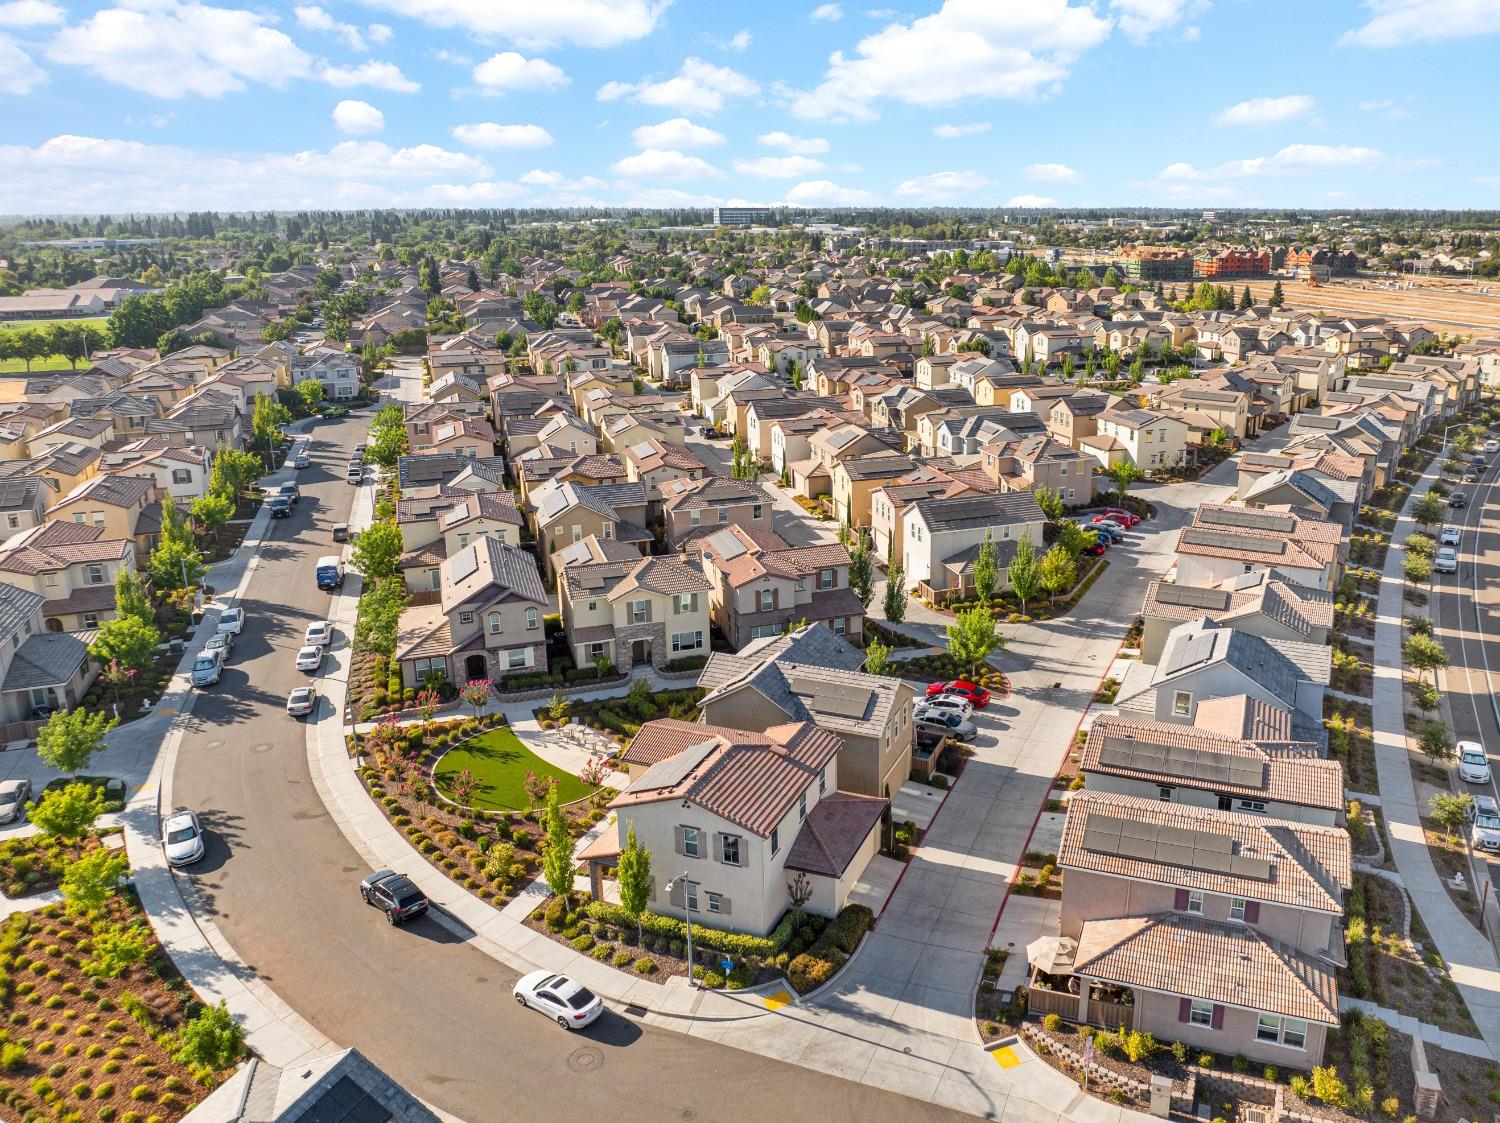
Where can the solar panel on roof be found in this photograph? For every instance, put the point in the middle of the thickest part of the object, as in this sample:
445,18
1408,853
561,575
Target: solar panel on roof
728,546
673,770
1206,536
1249,519
465,563
1188,596
1189,651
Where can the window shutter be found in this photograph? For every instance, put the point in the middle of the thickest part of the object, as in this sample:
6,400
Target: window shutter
1180,904
1218,1018
677,840
718,847
1252,912
1184,1010
724,906
693,603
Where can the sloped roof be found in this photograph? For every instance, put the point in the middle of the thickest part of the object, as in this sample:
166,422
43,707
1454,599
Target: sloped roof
833,833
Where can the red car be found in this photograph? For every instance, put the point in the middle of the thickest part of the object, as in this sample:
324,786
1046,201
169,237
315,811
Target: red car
1121,516
1096,548
977,696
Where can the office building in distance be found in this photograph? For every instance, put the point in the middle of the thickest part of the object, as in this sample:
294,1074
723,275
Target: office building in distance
742,216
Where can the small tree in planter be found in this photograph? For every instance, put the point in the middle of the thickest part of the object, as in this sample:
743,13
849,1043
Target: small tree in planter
536,787
557,708
463,786
117,676
477,692
593,772
557,848
799,891
427,704
895,594
633,875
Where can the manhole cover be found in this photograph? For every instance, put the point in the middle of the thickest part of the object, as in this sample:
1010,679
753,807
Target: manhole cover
687,1113
586,1059
261,748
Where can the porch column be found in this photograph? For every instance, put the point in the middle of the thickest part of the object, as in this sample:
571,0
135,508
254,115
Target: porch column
596,879
1084,986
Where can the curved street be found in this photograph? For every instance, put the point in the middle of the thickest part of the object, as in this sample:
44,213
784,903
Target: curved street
281,882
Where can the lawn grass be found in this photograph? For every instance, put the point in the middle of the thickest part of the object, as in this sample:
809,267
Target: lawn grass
47,362
500,762
17,325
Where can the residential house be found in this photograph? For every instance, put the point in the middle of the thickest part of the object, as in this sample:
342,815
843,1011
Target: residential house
1146,438
655,463
856,478
180,470
692,508
122,506
761,586
567,512
642,612
1040,462
1260,602
943,537
1226,541
74,566
40,671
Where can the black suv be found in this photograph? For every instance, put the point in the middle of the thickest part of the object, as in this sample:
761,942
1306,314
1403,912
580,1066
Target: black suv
280,506
290,491
393,894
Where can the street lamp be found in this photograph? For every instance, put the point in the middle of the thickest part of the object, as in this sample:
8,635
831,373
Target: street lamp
687,908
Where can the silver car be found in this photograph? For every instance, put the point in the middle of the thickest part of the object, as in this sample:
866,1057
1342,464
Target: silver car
1445,560
207,668
14,795
182,838
1484,833
1451,536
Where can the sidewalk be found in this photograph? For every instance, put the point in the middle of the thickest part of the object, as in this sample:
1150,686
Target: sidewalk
1468,954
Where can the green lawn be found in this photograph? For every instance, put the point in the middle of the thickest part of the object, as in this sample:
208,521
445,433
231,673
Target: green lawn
97,321
500,762
49,362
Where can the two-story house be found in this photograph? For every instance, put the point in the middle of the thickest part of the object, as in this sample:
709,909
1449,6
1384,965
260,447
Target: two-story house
692,508
567,512
120,505
760,585
1226,541
941,538
645,612
1147,438
74,566
655,463
1259,602
40,671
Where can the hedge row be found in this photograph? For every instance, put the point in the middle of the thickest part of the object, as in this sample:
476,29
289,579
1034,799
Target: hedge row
731,943
817,964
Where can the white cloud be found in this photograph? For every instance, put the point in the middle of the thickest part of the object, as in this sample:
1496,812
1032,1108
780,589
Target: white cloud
1399,23
378,33
317,19
18,74
557,181
581,23
826,193
76,174
31,13
1291,160
1388,108
801,145
155,121
487,134
173,50
358,118
965,51
1030,201
739,42
1140,19
512,71
700,87
778,167
486,193
954,132
381,75
1049,173
882,13
677,133
827,13
941,187
663,163
672,197
1266,110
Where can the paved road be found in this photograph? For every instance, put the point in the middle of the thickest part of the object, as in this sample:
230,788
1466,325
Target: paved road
280,880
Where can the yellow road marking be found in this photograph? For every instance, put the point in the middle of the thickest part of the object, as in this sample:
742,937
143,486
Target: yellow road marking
776,1001
1006,1057
166,713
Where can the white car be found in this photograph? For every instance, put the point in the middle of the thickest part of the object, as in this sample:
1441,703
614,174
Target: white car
232,620
1450,536
221,642
1492,446
1484,834
571,1005
1445,560
182,838
949,703
310,659
1473,763
302,701
319,634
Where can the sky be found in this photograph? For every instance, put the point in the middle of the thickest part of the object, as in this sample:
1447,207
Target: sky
167,105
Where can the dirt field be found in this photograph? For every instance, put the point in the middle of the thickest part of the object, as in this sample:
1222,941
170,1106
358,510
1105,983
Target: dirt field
1441,306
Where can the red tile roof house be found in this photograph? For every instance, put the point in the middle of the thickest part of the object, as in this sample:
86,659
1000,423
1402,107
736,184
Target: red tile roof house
1225,928
741,813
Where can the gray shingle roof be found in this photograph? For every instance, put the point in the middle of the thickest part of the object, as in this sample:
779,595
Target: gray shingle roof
967,511
46,659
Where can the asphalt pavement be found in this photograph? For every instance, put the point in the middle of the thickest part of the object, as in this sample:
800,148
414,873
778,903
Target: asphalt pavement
282,884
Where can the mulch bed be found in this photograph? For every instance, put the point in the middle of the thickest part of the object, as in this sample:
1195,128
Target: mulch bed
1471,1085
35,864
1351,741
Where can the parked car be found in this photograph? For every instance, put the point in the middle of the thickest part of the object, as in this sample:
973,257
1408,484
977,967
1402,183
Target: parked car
208,668
950,702
301,461
394,894
1484,832
302,701
1120,515
1492,446
571,1005
1471,477
1445,560
341,532
1097,548
290,491
1108,524
1450,536
14,795
1457,500
970,692
319,634
1473,763
310,659
222,642
944,723
356,472
182,838
232,620
280,506
358,451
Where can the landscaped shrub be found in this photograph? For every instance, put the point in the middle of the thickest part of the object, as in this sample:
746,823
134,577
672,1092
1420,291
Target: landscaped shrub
645,966
556,914
808,972
583,942
1052,1023
848,928
666,927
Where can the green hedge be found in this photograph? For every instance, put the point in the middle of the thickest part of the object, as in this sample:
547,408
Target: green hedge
688,663
732,943
808,972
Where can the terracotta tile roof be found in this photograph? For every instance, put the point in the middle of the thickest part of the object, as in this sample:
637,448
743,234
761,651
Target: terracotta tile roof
1229,964
711,491
833,833
1310,866
657,740
751,779
423,633
57,545
1240,715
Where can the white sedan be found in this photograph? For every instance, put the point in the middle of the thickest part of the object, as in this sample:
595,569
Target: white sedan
1445,560
310,659
950,703
1450,536
319,634
1473,763
302,701
571,1005
232,620
182,838
1492,446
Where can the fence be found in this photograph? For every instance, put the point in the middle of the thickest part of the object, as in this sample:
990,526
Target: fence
18,731
1105,1015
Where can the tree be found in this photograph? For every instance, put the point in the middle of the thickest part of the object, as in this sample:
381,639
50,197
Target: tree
310,390
175,562
1433,740
89,882
68,812
379,614
212,1040
233,471
986,569
972,637
557,848
1451,812
117,676
862,571
1428,511
1124,474
1423,654
895,594
1058,571
1024,572
877,656
130,597
1049,501
1245,299
387,436
266,419
1074,539
1278,298
31,344
212,510
70,738
633,877
140,320
117,948
127,640
477,692
377,550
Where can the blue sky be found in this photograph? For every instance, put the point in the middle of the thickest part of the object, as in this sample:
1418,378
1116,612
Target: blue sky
168,105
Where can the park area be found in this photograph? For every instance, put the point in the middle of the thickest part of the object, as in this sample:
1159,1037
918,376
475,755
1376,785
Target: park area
499,765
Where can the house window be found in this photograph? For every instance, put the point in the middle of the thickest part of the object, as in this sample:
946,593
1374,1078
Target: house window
1236,908
593,651
731,844
531,619
1202,1013
690,896
687,641
685,602
1182,703
463,540
1164,793
14,521
466,618
775,839
695,517
437,579
640,611
1291,1032
494,623
96,574
690,842
825,578
516,657
577,532
715,902
767,599
1195,901
593,605
761,631
757,510
1254,806
802,806
840,625
181,476
609,532
90,619
723,514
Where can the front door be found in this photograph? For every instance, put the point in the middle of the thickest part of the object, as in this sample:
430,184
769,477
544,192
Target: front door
475,668
640,652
